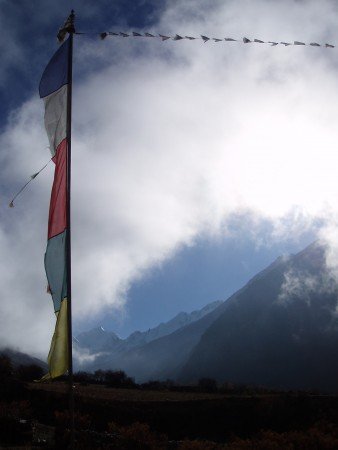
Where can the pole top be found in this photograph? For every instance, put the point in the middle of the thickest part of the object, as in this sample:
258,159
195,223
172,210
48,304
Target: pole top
68,27
71,26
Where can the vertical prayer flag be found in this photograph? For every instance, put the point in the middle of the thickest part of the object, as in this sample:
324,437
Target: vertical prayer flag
53,89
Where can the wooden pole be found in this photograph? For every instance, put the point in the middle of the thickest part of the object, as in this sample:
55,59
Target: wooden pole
71,31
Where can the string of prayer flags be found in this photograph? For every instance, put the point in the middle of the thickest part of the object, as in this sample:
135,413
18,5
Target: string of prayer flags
204,38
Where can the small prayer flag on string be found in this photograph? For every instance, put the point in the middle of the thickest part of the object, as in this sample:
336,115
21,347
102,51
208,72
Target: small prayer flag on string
31,178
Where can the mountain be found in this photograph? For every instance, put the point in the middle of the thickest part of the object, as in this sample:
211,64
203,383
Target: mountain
19,358
105,350
181,320
96,340
161,358
280,330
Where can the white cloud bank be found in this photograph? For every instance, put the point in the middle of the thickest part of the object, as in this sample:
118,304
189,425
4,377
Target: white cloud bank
170,140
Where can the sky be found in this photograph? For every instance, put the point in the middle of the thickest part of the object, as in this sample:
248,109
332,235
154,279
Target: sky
194,165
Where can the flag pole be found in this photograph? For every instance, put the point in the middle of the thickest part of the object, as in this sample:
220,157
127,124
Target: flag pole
71,31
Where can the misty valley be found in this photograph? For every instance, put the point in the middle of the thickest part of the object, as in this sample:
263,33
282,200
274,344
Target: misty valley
258,370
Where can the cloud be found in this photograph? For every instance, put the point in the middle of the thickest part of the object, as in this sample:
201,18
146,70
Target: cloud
83,357
300,284
170,141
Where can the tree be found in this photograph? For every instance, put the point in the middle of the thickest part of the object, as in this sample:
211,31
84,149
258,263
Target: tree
6,368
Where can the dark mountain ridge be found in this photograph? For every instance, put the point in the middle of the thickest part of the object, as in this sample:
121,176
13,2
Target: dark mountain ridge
19,358
165,357
280,330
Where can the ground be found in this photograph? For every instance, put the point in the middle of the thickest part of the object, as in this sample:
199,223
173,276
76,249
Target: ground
110,418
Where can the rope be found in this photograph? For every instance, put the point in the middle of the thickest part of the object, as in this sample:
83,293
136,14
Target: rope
32,177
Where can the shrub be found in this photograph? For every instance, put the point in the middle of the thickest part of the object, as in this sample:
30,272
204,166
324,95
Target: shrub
153,385
199,445
207,385
118,379
83,377
99,376
30,372
16,409
81,421
139,436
